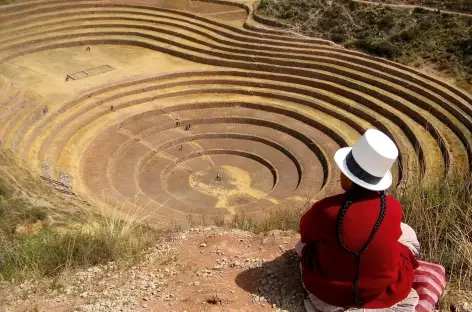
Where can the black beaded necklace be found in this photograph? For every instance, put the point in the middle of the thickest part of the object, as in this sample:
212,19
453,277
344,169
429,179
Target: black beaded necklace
358,254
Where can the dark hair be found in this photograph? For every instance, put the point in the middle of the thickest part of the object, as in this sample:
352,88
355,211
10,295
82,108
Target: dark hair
358,254
310,252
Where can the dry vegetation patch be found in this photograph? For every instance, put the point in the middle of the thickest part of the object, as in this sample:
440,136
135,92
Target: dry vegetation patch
409,36
33,247
463,6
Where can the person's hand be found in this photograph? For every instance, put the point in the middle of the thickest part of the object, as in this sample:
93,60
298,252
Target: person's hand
299,248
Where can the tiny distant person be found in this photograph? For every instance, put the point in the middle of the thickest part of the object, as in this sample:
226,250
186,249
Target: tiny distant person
218,177
112,108
355,251
87,48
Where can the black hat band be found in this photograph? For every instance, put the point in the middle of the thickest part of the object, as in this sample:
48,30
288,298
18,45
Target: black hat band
358,172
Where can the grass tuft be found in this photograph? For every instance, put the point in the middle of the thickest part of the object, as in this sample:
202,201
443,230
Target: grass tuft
30,247
442,216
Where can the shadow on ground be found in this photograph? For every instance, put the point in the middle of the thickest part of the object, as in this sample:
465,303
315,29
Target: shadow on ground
276,282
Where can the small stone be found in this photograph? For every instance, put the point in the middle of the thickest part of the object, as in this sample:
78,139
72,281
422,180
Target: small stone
202,245
145,298
467,307
196,283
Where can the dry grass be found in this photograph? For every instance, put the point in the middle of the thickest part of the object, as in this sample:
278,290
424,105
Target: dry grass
277,219
64,233
441,214
30,247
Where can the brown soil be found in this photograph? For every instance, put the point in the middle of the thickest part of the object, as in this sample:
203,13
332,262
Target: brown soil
205,269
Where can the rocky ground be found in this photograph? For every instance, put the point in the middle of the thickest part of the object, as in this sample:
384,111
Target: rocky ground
206,269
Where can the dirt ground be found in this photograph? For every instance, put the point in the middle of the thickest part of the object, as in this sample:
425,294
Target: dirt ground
204,269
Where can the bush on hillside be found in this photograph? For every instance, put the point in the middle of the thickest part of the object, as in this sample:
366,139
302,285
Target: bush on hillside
464,6
412,37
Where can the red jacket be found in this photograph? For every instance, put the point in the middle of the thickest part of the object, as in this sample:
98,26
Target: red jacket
387,267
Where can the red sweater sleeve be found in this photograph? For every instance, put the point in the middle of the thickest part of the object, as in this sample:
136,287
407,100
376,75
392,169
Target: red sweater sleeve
304,223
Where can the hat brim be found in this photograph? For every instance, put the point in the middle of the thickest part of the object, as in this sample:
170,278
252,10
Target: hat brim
340,159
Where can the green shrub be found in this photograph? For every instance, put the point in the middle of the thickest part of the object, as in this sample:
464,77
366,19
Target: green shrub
14,212
412,37
263,4
379,48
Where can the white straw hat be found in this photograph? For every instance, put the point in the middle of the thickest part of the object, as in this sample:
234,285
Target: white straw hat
368,163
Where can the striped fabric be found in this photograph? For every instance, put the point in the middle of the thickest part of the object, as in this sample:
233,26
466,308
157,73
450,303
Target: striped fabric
429,283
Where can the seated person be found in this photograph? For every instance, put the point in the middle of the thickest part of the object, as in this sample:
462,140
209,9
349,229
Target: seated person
355,251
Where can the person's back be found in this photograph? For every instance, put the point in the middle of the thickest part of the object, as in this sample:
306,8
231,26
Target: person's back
387,267
350,250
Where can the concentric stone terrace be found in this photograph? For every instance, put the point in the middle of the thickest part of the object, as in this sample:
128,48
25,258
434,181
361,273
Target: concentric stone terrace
201,110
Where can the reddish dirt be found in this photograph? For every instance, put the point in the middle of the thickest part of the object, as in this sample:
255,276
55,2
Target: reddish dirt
208,269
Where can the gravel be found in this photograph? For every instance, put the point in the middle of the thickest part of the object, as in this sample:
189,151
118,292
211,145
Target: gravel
111,287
